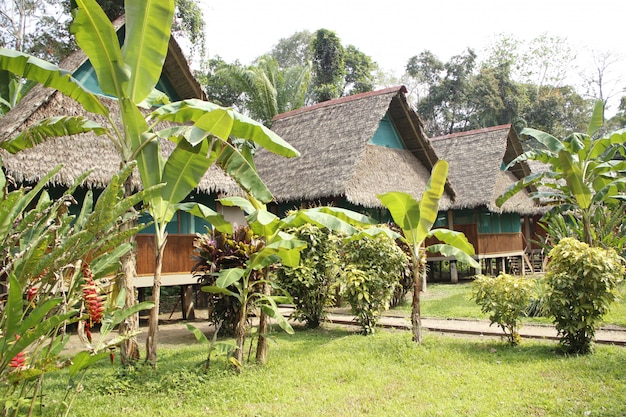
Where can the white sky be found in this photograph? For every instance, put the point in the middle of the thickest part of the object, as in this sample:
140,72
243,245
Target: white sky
392,31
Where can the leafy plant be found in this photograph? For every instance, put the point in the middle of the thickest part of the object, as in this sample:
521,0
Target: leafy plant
216,251
416,219
505,298
584,172
312,283
130,73
52,264
582,282
372,267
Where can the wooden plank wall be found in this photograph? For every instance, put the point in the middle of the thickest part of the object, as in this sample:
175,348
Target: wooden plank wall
177,257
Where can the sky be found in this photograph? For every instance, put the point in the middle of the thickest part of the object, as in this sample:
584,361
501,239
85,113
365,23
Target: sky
392,31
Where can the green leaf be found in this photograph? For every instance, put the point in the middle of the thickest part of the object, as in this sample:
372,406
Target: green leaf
200,337
216,219
51,127
263,223
241,202
51,76
83,360
519,186
242,127
447,250
429,204
597,118
219,290
14,308
405,211
148,26
552,143
183,170
453,238
574,177
349,216
320,219
227,277
240,170
96,36
274,313
110,261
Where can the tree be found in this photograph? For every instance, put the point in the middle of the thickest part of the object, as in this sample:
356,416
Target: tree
265,89
359,72
416,219
584,174
130,73
328,65
449,91
294,51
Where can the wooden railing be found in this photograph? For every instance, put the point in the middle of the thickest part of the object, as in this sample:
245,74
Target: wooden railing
176,259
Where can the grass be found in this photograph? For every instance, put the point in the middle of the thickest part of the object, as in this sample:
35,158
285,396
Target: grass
333,371
455,301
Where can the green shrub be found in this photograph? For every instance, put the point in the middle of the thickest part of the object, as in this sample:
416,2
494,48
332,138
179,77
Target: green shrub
582,282
505,298
312,283
372,268
215,251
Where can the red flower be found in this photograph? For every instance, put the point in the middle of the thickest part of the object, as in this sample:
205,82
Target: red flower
93,301
19,361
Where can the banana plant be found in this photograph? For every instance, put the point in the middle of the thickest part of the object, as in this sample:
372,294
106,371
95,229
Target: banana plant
584,171
416,219
129,74
251,285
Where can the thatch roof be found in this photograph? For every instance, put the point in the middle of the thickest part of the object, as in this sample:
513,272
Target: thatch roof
476,158
85,152
337,160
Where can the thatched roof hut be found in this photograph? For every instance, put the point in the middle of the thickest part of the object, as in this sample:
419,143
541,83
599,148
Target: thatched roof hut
476,160
85,152
338,158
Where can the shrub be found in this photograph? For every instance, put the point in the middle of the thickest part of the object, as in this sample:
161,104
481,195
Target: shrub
312,283
505,298
215,251
582,282
372,268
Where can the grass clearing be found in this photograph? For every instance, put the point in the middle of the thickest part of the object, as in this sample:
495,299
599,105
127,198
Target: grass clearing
442,300
333,371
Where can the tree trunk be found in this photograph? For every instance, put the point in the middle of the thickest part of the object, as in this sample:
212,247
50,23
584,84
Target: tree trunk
129,349
416,319
153,320
262,346
240,334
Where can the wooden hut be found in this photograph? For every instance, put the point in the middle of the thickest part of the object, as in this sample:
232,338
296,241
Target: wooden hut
352,149
85,152
501,235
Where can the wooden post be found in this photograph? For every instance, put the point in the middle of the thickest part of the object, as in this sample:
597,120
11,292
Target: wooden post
187,302
503,263
454,273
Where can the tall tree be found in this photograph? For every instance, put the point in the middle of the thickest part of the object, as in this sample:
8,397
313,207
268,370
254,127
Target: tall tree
328,65
359,72
294,51
265,89
446,105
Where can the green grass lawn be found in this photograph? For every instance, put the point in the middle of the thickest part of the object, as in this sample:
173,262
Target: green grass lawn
336,372
455,301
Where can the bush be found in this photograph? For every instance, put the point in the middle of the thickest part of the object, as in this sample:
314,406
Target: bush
505,298
372,268
312,283
582,282
215,251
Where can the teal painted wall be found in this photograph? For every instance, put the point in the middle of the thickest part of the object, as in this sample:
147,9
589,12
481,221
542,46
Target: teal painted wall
387,135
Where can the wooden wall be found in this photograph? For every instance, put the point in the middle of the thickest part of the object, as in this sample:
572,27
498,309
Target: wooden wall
177,257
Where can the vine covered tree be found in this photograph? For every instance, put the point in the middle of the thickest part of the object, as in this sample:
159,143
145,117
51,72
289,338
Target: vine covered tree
328,65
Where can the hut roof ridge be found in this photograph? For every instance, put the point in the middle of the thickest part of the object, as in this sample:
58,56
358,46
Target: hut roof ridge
340,100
